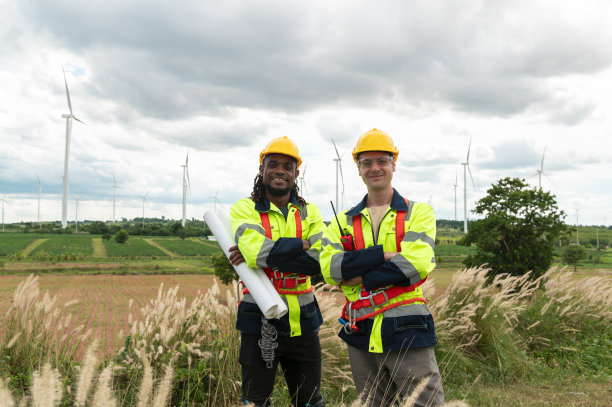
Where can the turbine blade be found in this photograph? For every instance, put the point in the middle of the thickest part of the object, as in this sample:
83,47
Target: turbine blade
187,158
341,176
75,118
67,92
470,171
542,164
336,148
468,153
38,179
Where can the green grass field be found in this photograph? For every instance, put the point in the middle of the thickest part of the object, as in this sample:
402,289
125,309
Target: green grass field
187,247
134,247
59,244
11,243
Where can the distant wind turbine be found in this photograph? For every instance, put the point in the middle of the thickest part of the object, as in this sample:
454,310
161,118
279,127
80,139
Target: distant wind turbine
466,168
541,171
577,210
186,185
338,168
302,182
455,188
76,214
115,186
39,193
3,202
68,118
215,200
144,202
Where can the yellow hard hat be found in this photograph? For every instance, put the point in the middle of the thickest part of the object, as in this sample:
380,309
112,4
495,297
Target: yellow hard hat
375,140
281,145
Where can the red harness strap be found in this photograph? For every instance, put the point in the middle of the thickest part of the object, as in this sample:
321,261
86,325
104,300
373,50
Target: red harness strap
382,296
284,283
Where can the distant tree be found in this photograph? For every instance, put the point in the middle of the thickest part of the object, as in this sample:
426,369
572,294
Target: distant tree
223,269
106,236
519,229
121,236
574,254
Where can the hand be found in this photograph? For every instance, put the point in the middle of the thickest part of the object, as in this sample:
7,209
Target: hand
352,281
389,255
235,256
305,245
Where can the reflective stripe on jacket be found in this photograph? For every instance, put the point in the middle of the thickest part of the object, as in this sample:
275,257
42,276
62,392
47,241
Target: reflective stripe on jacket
284,253
406,326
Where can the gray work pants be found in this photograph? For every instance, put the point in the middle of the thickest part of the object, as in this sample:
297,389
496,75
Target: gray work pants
385,379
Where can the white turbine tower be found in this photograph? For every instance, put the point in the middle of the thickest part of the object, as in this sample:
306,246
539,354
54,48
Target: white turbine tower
186,185
466,168
39,193
541,171
338,168
115,186
68,118
3,201
215,200
144,202
455,188
76,214
303,183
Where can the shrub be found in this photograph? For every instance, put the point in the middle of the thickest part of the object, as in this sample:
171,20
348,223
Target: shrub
121,236
223,269
106,236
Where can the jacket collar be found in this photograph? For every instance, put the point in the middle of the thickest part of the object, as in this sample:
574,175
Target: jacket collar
264,204
397,202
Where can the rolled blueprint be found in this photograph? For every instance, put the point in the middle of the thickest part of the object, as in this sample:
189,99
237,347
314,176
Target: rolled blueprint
260,287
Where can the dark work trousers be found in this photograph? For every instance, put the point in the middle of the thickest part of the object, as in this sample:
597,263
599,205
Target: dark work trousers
300,359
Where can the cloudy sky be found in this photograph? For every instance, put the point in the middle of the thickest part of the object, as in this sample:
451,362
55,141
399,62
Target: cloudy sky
153,80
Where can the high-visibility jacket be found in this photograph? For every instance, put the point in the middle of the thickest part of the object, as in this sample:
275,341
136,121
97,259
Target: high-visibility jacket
400,327
284,253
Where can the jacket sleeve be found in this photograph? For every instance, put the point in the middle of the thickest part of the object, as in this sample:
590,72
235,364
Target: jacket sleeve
251,239
338,265
307,262
416,259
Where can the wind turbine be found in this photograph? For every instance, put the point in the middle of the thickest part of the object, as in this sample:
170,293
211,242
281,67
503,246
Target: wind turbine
338,168
455,188
39,193
115,186
76,214
144,202
302,182
186,185
215,200
3,201
466,168
68,118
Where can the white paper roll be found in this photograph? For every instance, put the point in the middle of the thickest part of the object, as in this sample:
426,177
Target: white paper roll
264,294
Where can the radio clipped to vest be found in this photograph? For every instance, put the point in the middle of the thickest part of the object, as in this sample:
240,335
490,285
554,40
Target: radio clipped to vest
346,238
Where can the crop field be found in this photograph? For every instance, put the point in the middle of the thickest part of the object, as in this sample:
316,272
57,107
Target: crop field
59,244
187,247
102,301
14,242
134,247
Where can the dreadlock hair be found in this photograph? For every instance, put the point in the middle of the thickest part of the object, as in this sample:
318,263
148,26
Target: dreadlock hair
258,191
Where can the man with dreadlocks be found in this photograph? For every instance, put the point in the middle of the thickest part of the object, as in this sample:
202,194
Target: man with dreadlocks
277,230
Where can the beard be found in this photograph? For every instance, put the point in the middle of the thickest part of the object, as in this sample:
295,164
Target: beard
277,191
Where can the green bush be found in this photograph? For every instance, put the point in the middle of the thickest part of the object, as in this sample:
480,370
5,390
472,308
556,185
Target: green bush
223,269
121,236
106,236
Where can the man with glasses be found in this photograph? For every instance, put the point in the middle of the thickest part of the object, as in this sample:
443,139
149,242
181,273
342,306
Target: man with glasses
380,253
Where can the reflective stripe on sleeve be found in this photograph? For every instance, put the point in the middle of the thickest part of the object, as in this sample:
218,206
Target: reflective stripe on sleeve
407,268
313,239
326,242
415,236
264,252
245,226
335,268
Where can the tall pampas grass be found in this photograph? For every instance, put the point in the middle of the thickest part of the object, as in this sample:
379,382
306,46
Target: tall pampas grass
46,387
